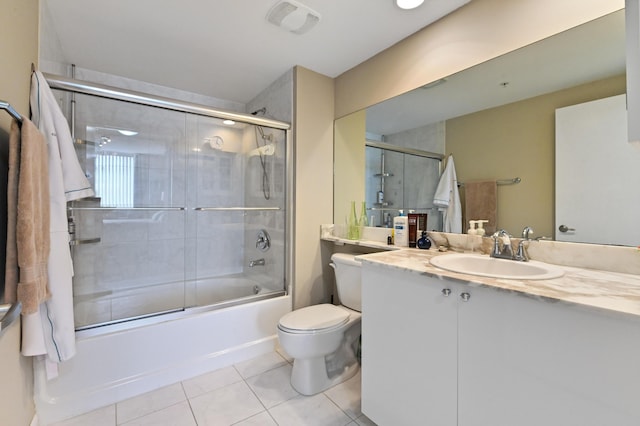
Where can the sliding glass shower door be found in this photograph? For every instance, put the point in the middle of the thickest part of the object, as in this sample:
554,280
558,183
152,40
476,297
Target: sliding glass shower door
181,204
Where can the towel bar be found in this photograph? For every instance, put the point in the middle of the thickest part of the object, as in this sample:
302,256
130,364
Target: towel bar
12,112
501,182
9,312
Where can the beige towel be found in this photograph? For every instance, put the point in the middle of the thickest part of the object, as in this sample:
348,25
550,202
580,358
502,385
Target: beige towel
28,217
481,202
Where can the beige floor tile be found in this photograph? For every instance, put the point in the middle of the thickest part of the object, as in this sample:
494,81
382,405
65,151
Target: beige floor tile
211,381
317,410
365,421
262,419
260,364
149,402
274,386
105,416
226,405
346,395
176,415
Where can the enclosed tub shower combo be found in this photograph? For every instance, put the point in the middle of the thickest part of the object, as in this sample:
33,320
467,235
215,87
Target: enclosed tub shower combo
180,260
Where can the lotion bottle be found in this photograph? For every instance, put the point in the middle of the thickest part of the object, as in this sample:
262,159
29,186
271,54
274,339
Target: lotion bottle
480,230
401,230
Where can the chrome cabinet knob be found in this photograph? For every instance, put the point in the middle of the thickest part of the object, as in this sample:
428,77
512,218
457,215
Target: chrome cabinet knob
446,292
465,297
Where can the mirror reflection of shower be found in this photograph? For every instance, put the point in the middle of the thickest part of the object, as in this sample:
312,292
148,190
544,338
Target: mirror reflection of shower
264,148
381,201
400,178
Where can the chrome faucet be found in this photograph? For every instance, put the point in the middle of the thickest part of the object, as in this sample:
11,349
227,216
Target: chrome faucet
506,252
521,254
257,262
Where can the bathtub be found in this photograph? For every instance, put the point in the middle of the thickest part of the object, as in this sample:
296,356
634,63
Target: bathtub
119,361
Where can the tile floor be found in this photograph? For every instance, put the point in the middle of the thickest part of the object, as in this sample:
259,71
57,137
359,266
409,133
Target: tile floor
254,392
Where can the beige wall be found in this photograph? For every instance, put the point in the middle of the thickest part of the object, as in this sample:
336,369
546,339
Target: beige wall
518,140
313,135
349,163
18,49
477,32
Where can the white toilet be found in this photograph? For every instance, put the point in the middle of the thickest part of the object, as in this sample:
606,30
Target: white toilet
323,339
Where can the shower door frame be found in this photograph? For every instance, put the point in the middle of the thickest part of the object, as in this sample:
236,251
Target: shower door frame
113,93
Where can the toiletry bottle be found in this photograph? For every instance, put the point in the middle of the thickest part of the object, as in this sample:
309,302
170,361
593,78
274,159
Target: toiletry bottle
352,224
472,227
480,230
412,220
401,229
424,242
362,220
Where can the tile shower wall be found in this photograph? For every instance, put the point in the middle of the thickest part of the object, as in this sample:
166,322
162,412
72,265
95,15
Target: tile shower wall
277,99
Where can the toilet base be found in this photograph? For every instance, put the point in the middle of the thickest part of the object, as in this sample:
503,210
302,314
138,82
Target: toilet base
309,376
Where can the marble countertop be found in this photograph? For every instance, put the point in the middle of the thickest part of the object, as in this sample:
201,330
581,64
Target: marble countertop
611,291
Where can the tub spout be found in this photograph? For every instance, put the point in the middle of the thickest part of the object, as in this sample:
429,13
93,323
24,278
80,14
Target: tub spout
257,262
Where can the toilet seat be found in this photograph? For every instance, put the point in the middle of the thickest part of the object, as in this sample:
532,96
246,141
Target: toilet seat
312,319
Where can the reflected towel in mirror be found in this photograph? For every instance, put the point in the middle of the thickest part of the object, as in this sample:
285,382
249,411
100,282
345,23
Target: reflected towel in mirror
447,199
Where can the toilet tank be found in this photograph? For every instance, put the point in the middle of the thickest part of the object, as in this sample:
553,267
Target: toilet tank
348,280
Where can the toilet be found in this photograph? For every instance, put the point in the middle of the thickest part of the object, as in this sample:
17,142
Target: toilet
323,339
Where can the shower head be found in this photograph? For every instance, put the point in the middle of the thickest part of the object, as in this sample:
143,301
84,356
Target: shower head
261,111
265,150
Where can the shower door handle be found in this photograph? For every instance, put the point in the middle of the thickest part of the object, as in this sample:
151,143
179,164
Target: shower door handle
9,314
87,241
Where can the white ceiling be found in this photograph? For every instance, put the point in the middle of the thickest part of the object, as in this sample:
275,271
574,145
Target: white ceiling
226,48
586,53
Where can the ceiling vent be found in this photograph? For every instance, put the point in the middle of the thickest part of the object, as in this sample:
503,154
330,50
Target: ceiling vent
293,16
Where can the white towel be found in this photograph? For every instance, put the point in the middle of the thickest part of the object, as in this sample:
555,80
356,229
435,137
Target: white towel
447,199
67,181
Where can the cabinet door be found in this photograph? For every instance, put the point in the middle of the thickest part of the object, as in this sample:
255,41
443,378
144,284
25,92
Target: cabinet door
408,349
524,361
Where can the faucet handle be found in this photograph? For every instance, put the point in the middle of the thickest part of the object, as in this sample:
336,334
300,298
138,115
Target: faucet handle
526,233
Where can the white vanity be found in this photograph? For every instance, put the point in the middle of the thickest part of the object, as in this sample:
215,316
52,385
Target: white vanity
442,348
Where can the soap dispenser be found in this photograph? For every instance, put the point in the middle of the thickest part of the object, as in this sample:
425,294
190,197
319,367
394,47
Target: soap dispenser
480,229
472,227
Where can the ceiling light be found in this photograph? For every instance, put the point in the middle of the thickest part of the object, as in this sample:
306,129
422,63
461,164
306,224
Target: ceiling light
293,16
408,4
127,132
229,122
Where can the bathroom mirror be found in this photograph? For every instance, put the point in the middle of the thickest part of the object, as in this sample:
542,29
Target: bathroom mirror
498,118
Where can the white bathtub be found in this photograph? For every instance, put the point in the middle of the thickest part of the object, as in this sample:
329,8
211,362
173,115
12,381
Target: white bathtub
120,361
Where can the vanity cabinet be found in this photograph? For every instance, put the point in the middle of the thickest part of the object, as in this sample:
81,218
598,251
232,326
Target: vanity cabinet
481,356
409,350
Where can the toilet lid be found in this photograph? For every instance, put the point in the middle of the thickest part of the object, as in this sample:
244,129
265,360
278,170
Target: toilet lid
313,318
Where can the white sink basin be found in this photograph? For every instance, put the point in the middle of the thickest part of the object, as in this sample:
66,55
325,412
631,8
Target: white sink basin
486,266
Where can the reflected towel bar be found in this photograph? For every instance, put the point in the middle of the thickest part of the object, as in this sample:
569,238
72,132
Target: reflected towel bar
12,112
500,182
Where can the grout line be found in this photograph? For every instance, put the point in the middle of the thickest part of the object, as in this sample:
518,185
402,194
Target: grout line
339,408
189,402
